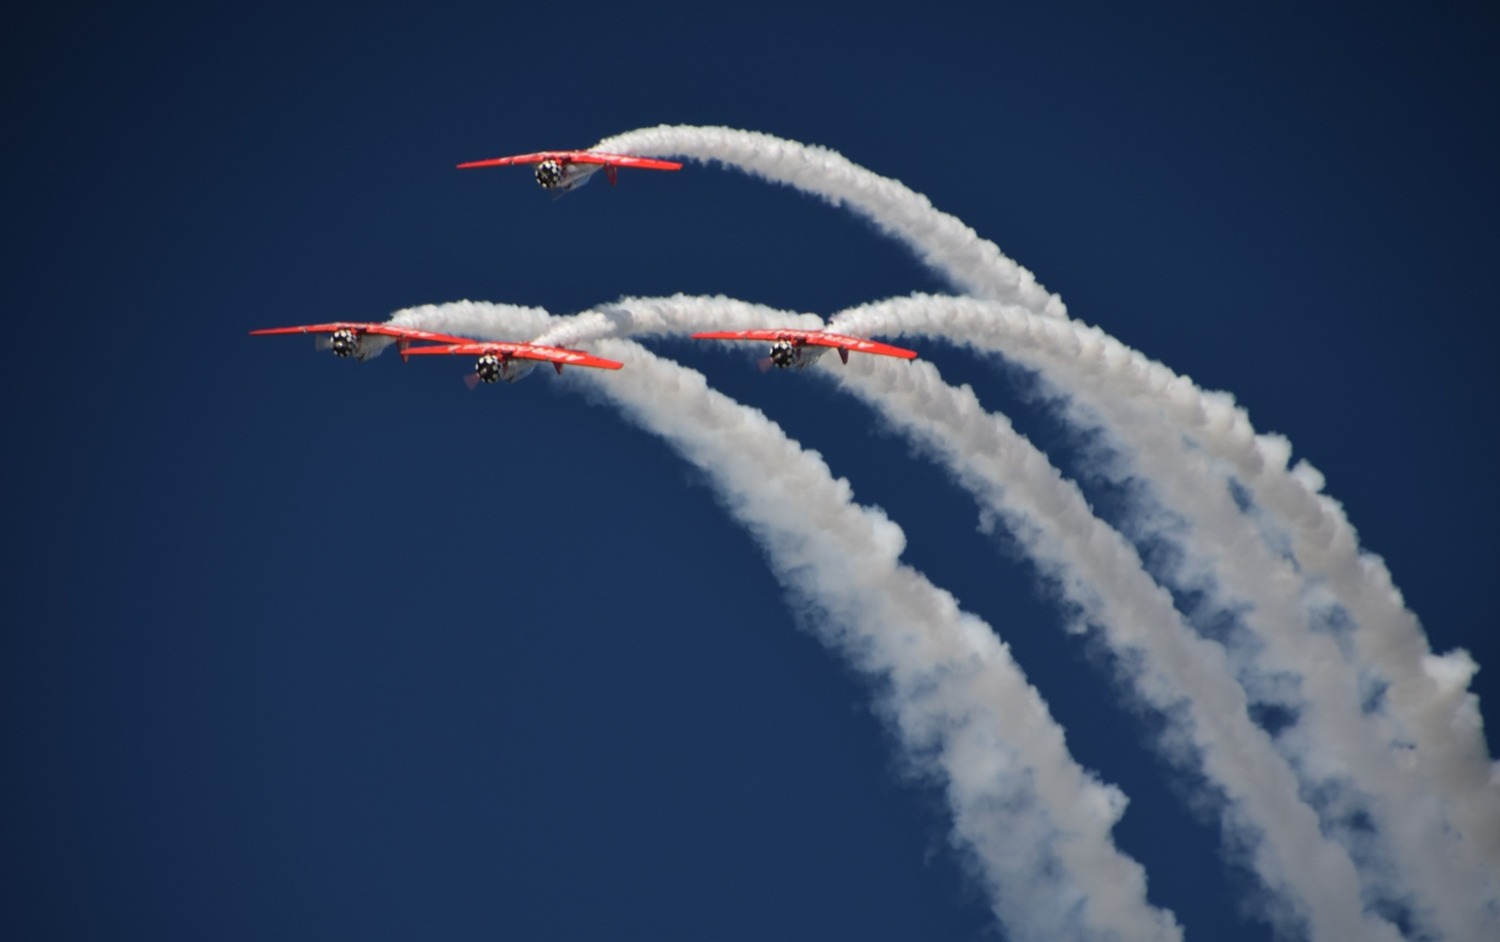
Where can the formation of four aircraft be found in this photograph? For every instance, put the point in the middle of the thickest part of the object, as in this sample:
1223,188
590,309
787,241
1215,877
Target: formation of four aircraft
503,360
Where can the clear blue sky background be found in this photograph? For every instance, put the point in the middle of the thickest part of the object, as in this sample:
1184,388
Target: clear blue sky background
299,648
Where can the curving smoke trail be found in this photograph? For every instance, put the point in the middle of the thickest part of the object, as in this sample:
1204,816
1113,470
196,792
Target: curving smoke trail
1345,765
1035,824
1427,695
942,242
480,319
1342,761
1135,615
1182,677
1438,731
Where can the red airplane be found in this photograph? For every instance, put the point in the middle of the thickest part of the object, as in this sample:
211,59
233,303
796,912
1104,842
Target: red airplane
798,348
362,341
500,359
565,169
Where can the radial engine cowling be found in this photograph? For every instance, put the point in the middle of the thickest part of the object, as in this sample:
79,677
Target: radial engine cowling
783,354
345,342
489,367
549,173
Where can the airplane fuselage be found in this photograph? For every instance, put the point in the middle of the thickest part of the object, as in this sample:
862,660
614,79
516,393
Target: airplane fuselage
359,344
786,354
564,175
496,369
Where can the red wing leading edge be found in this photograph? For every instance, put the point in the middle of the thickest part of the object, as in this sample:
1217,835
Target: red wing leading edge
361,341
502,360
792,348
562,170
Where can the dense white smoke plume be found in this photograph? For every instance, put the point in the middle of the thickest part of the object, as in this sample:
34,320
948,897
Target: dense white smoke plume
1340,753
940,240
1035,823
1426,694
1148,409
1375,725
480,319
1183,677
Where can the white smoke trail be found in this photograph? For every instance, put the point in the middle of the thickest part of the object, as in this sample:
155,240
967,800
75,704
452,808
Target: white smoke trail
479,319
679,314
1332,739
1184,678
1426,693
939,239
1035,825
1441,879
1435,693
1136,615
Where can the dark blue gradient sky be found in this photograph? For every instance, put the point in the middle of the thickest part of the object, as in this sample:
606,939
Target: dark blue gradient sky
303,649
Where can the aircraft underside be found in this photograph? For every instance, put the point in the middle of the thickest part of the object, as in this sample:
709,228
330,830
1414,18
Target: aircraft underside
356,344
493,369
788,355
560,176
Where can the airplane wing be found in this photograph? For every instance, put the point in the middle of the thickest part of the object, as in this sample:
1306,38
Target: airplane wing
577,157
384,330
859,345
362,341
625,160
819,338
559,357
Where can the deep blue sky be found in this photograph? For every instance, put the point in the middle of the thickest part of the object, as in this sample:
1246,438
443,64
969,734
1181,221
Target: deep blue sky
304,649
